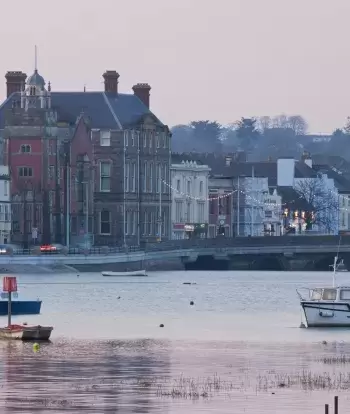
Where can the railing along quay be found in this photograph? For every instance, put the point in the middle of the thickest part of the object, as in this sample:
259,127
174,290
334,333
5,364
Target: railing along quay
218,242
88,251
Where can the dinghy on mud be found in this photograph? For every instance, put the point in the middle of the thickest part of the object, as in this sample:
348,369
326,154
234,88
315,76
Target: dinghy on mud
125,274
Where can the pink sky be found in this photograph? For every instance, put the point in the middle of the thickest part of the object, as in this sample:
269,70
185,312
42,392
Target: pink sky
204,59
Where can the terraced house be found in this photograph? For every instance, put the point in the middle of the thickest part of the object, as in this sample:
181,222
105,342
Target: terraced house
120,180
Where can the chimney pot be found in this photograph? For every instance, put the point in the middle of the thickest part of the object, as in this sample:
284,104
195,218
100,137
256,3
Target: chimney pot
142,91
14,81
111,81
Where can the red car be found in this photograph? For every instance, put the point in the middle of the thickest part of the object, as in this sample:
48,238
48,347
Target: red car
50,248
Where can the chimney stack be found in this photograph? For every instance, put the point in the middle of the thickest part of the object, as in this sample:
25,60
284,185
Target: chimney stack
306,157
142,91
14,81
111,81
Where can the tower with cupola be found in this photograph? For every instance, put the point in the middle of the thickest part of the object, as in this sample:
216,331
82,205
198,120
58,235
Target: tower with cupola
33,93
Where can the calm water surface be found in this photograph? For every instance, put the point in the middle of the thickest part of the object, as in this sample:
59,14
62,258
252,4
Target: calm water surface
239,349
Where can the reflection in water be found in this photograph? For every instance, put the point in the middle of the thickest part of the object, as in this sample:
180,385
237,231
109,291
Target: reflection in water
231,352
97,376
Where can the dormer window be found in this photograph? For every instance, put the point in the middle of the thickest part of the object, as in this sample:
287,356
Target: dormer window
26,149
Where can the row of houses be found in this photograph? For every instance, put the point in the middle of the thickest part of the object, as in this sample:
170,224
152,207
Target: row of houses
220,195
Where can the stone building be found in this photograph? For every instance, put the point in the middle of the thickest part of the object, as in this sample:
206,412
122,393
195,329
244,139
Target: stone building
129,163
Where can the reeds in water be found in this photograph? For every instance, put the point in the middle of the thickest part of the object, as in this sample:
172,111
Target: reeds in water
336,360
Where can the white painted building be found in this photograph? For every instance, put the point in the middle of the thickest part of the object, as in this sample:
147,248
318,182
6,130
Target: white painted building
272,214
344,212
255,189
5,205
259,208
190,199
317,189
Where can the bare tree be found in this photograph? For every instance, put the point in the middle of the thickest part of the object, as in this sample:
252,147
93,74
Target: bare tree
347,126
323,201
298,124
280,121
263,123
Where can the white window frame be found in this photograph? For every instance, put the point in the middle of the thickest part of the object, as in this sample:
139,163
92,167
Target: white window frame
127,177
105,138
133,177
6,188
201,187
101,177
7,213
164,178
145,176
110,223
23,169
150,187
24,148
134,223
158,177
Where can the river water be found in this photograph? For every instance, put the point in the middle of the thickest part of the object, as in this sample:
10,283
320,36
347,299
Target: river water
238,349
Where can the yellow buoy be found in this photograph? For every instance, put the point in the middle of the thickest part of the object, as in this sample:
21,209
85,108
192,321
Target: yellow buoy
36,347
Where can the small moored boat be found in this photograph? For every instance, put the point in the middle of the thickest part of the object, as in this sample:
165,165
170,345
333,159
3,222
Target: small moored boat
125,274
26,333
327,306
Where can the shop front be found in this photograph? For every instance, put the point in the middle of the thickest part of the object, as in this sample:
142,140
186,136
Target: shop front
190,230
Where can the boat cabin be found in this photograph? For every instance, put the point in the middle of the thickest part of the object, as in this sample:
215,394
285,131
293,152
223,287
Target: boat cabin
341,293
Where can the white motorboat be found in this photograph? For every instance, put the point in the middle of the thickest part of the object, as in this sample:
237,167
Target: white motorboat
327,306
125,274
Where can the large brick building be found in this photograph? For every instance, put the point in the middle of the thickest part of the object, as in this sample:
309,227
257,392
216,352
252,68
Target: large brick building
115,151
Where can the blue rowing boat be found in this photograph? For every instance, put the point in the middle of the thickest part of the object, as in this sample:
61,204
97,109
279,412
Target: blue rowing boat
19,307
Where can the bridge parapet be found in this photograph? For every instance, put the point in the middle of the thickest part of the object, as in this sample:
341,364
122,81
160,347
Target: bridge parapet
224,242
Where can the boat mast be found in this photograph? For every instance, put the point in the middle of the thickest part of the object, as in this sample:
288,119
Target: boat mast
334,269
335,262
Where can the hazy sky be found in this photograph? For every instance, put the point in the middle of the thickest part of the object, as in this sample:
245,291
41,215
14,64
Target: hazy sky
204,59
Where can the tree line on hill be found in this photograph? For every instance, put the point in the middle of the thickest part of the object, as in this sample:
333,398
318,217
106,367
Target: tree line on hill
262,138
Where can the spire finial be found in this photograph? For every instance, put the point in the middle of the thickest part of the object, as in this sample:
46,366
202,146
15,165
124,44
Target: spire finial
36,59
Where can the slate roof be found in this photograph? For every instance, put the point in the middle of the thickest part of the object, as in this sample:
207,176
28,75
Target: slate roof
268,169
105,110
333,161
340,182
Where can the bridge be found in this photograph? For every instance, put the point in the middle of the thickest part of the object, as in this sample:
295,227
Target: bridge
284,252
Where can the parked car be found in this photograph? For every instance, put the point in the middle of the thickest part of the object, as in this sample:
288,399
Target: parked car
51,248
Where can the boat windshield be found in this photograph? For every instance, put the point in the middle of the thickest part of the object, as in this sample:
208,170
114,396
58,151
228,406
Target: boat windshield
329,294
316,294
324,294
